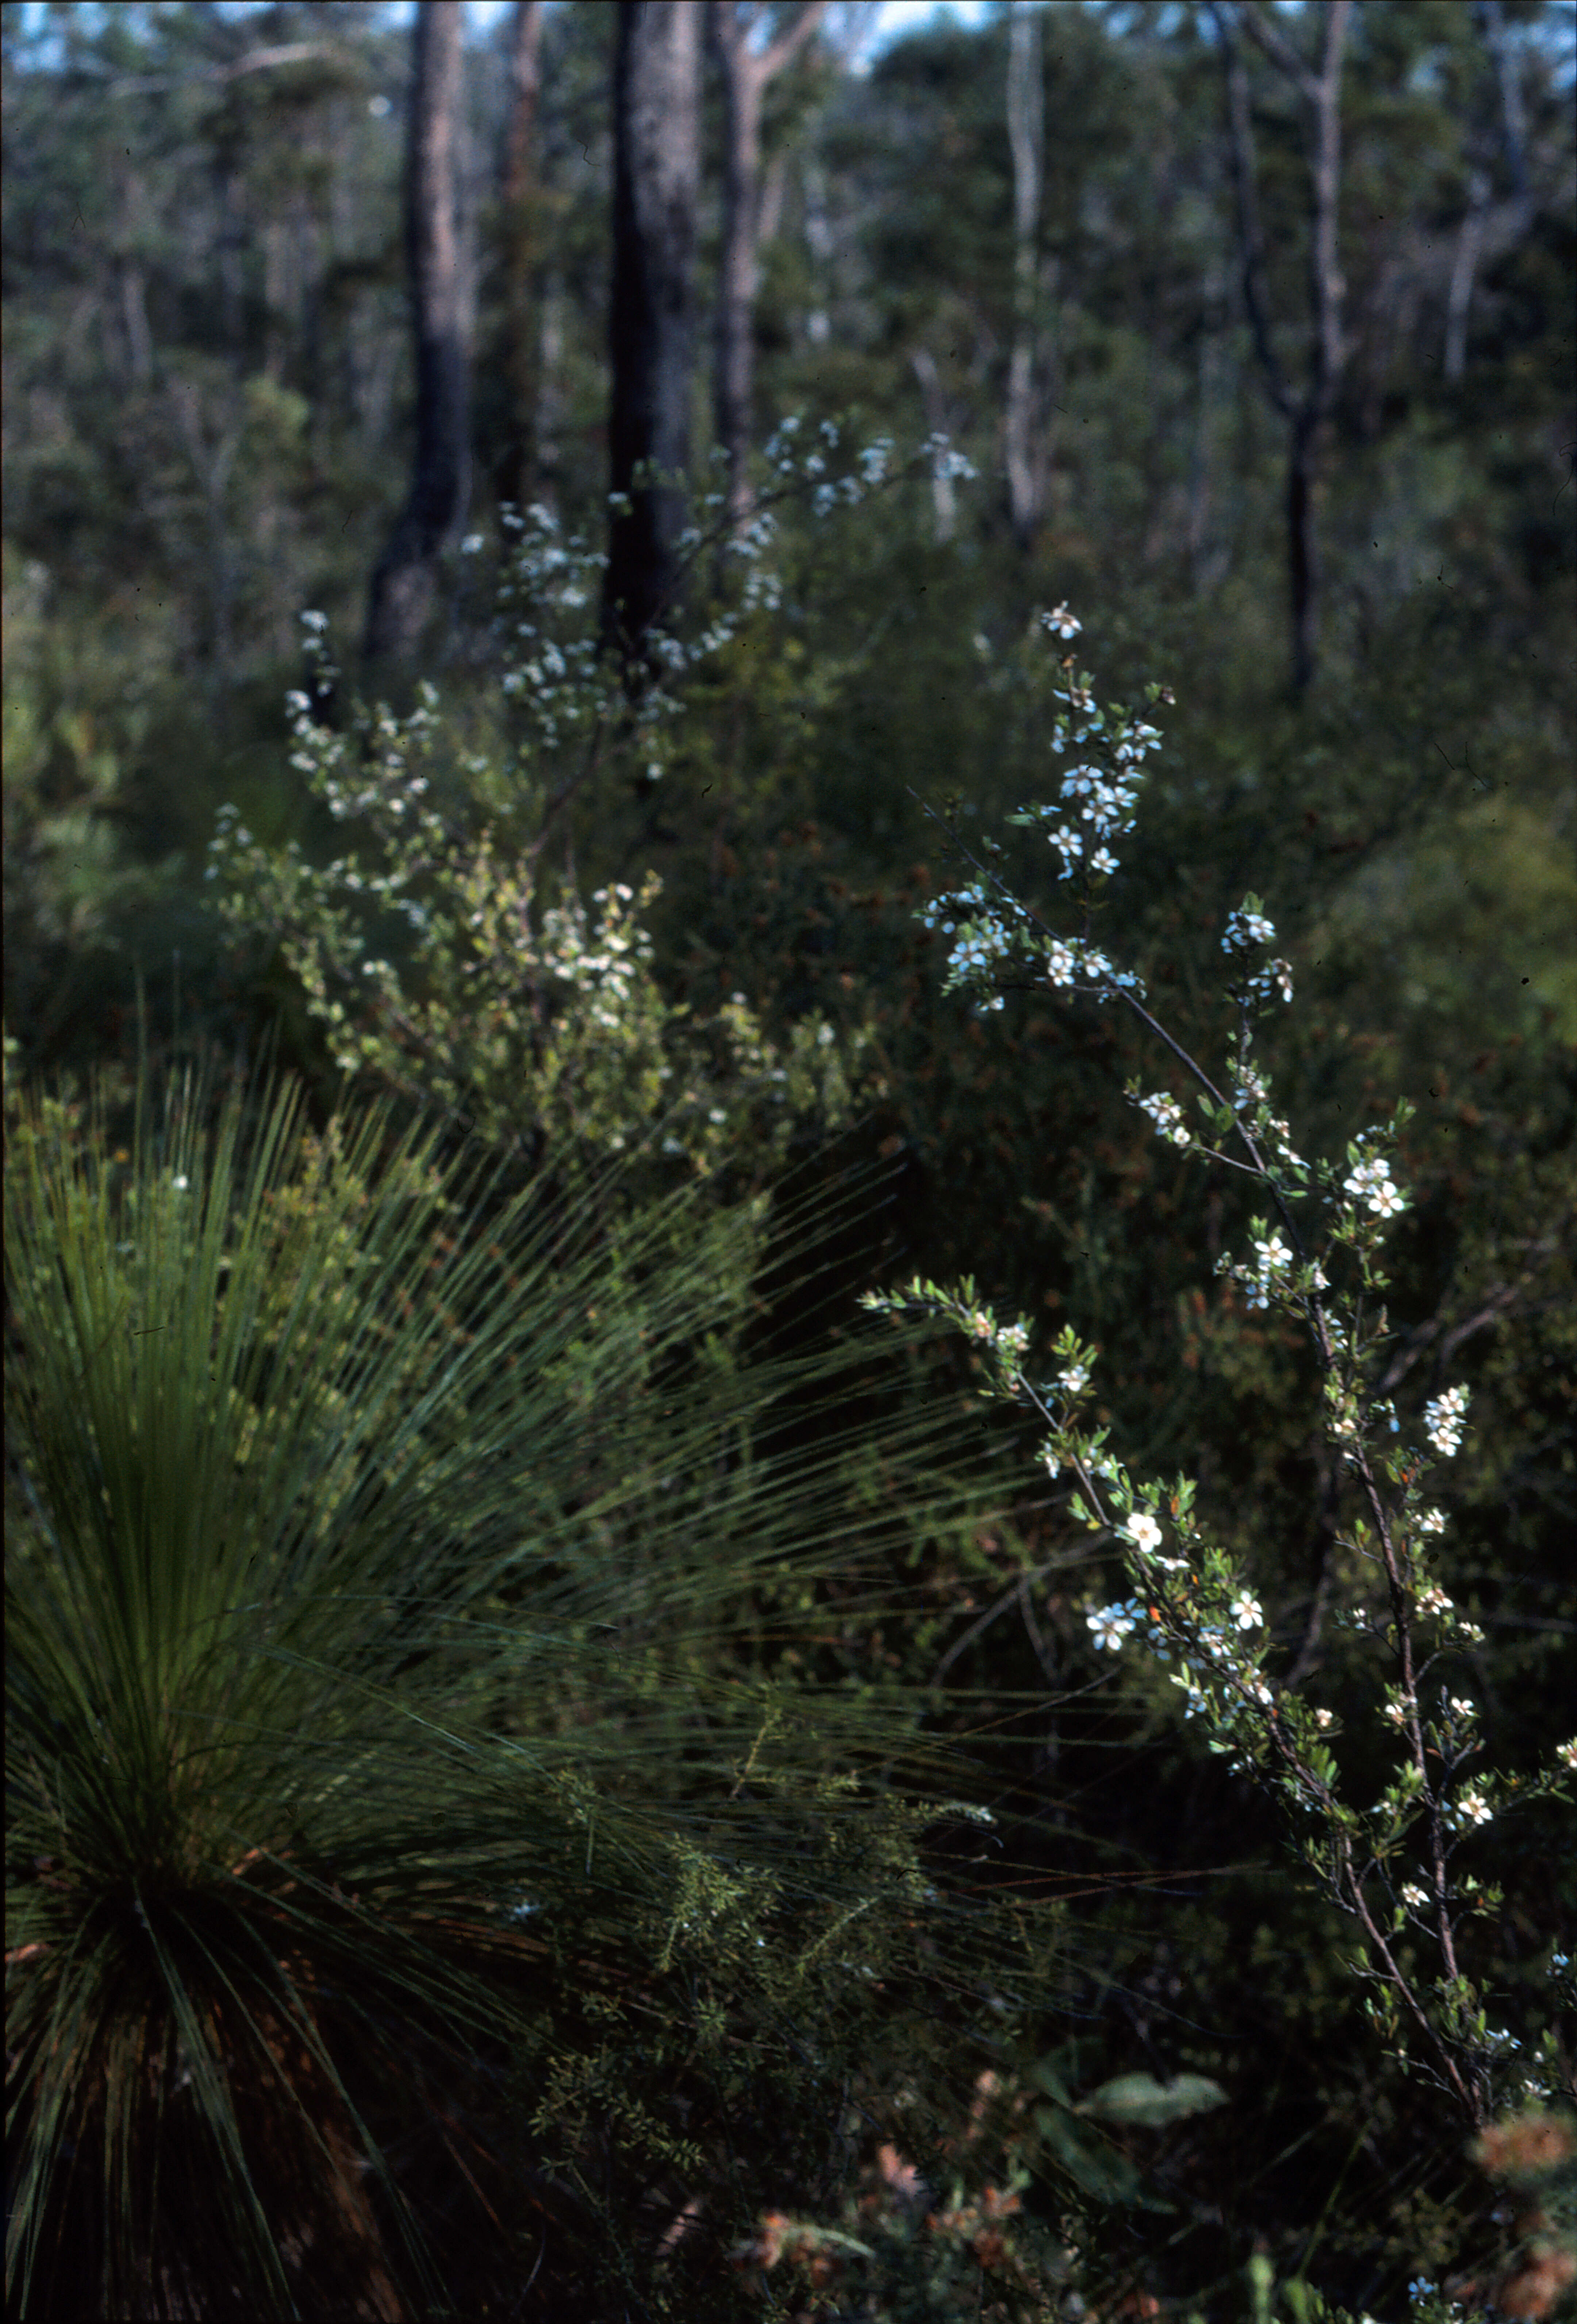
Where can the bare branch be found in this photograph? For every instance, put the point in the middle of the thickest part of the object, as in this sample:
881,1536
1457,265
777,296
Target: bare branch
788,42
1280,51
732,23
292,52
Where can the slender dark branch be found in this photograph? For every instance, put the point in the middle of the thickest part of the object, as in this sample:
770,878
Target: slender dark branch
1036,1638
998,1607
1302,1661
1418,1341
1250,233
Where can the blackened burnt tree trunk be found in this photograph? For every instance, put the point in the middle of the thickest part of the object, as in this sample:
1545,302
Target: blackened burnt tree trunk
399,601
1026,142
522,237
1308,413
651,330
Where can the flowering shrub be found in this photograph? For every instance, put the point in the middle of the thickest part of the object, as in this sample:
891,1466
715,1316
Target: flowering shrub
1390,1865
539,1023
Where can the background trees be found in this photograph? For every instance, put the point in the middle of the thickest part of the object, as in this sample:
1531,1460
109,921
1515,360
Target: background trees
212,411
747,71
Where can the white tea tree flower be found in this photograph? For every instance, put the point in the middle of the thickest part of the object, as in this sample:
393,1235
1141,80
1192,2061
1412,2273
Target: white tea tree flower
1445,1418
1168,1116
1112,1624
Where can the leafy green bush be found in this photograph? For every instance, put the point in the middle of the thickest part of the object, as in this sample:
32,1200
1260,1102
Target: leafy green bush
73,887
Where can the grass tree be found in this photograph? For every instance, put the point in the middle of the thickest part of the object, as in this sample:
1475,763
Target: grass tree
402,1608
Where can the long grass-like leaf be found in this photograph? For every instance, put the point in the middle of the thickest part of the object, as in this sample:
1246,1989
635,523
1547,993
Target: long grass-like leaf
386,1551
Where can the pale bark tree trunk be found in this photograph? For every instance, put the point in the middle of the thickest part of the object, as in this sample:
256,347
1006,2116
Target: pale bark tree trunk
773,187
401,599
1469,254
134,285
746,72
657,138
1459,297
549,417
522,237
940,421
277,288
1490,18
212,464
1426,272
819,242
1306,414
1026,139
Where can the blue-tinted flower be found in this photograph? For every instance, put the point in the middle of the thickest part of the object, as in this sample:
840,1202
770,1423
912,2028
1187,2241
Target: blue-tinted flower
1112,1624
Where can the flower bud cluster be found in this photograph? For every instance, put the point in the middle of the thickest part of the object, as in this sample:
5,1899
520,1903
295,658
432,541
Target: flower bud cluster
1272,1265
1166,1114
993,932
1248,931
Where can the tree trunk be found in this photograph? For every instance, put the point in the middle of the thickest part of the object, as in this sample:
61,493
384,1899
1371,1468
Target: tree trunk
939,421
819,243
1303,553
1490,19
1305,414
1469,252
1026,138
1459,296
548,418
399,601
657,125
134,286
745,75
521,235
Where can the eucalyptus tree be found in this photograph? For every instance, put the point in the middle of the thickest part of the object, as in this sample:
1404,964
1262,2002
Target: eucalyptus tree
747,68
651,317
1027,138
520,237
400,597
